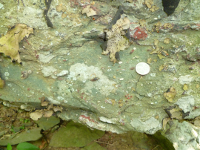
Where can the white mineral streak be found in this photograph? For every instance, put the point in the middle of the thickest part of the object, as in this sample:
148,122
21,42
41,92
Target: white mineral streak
186,103
89,11
48,71
185,79
108,120
149,126
45,58
85,73
98,125
53,101
62,73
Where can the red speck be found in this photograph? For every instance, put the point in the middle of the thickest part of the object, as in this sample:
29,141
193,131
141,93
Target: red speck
27,41
128,97
28,89
139,33
132,51
87,117
64,60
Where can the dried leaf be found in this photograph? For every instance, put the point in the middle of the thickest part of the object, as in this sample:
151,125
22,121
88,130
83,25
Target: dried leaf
48,113
36,115
116,40
57,108
44,102
176,113
9,44
197,121
165,121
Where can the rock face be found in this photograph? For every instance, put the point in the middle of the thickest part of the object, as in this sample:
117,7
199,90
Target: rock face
62,63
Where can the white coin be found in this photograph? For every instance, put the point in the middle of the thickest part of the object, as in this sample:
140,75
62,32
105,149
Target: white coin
142,68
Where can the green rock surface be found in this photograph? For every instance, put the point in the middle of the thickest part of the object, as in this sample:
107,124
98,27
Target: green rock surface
47,123
74,135
28,135
61,62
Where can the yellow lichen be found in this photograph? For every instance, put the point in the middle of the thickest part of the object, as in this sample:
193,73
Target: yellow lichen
170,94
9,44
61,8
168,26
2,83
166,40
89,11
150,5
185,87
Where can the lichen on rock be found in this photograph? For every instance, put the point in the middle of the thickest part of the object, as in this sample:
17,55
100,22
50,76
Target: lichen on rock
116,37
9,44
2,83
89,11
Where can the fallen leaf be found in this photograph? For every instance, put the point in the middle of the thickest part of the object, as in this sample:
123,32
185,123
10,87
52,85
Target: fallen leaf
9,44
116,40
165,121
36,115
48,113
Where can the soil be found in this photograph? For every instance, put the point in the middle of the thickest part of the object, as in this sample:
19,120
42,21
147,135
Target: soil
14,120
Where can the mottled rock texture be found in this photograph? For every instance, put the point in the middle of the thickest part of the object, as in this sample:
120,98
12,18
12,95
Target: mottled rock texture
66,66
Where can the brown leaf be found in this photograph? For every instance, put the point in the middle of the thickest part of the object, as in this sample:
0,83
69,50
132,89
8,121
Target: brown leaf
9,44
36,115
165,121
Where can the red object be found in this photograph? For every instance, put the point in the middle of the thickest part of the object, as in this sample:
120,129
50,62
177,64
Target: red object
139,33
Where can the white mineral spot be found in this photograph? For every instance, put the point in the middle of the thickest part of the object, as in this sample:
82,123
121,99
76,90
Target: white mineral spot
45,58
142,68
48,71
62,73
194,133
153,74
1,6
185,79
6,74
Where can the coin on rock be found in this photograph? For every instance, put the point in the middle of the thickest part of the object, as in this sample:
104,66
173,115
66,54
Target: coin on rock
142,68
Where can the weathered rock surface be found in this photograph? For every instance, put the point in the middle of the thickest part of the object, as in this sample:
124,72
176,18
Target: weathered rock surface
62,63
